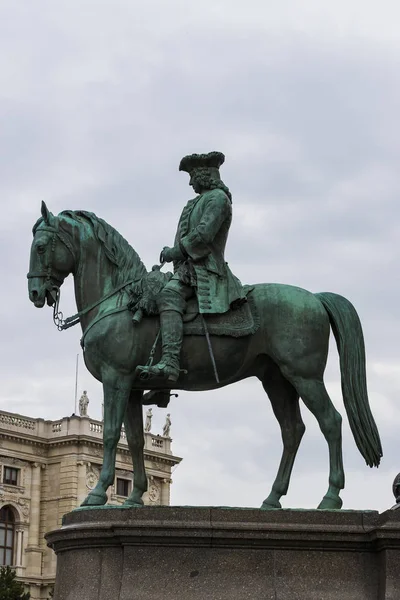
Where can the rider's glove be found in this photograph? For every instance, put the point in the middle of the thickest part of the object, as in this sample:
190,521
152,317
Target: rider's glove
171,254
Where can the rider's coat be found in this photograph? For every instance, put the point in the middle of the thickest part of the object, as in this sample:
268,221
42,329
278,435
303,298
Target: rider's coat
202,232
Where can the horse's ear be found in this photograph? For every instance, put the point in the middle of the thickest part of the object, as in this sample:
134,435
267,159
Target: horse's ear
45,213
48,217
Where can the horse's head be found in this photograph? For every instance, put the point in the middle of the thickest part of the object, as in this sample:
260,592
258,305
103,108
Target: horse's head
52,259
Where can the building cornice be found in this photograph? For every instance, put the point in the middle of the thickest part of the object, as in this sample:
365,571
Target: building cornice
45,445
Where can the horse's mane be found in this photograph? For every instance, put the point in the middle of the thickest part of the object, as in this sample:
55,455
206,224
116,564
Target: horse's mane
121,254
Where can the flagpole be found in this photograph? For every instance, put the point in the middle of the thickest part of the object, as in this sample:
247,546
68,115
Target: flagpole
76,384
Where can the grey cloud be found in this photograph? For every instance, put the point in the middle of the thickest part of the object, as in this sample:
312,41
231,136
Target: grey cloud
96,113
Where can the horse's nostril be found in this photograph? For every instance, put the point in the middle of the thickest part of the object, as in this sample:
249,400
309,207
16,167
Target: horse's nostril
34,294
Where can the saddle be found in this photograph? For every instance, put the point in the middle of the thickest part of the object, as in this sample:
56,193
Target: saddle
237,322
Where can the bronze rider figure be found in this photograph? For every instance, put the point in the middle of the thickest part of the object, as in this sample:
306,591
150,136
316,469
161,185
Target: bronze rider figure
198,258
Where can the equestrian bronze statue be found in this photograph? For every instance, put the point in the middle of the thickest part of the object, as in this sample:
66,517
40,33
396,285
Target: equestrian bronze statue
199,329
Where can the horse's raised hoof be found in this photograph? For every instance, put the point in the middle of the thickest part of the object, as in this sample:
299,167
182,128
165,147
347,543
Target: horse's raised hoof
95,499
331,503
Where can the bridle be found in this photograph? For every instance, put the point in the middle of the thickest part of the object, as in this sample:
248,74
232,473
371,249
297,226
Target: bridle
53,280
48,274
54,290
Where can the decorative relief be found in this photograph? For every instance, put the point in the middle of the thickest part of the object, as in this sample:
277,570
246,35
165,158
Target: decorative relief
10,460
41,451
122,473
92,477
8,497
24,504
11,490
154,492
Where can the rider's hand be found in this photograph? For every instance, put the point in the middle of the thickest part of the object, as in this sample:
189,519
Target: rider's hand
171,254
165,255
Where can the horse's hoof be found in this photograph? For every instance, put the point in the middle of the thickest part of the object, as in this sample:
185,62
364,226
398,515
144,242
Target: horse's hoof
95,499
331,503
134,502
271,502
268,506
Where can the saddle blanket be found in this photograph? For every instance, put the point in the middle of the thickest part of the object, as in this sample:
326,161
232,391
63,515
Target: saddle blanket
239,322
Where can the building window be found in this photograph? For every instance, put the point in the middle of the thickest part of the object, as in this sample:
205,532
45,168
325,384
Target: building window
7,535
123,487
10,476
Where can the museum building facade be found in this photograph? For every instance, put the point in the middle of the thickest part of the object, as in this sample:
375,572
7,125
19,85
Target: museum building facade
46,470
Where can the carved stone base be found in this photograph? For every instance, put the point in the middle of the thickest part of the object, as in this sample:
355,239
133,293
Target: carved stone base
227,554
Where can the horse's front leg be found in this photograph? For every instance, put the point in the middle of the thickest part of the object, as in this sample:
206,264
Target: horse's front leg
116,395
135,437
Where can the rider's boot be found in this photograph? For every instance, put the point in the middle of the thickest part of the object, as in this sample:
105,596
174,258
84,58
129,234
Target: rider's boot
171,336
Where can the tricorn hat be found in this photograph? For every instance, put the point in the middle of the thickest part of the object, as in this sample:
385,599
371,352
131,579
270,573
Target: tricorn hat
212,161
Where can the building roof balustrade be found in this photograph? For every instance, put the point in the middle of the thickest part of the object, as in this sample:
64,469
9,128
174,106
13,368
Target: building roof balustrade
48,431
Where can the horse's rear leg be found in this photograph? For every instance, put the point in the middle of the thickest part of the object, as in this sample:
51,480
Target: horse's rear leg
135,437
285,404
317,400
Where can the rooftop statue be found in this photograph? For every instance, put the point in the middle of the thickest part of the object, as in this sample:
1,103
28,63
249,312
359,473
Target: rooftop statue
83,404
147,424
167,426
199,329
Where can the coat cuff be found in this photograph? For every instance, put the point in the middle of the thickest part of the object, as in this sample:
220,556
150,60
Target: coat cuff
194,246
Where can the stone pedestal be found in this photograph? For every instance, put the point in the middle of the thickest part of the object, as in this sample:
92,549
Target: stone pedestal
227,554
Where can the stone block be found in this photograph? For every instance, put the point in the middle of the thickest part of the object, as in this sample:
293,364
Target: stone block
228,554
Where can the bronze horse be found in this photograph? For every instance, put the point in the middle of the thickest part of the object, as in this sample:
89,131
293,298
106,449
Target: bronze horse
288,352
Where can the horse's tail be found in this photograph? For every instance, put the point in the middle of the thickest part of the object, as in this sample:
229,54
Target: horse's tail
346,327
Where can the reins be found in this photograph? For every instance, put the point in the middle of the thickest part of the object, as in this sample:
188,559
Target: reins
63,324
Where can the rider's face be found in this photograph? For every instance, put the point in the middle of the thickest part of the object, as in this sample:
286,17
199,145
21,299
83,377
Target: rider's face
195,183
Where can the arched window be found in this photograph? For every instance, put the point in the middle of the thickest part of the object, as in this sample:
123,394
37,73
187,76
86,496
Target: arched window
7,535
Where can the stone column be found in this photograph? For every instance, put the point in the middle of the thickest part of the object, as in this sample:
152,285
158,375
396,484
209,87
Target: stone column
165,491
18,556
34,557
82,490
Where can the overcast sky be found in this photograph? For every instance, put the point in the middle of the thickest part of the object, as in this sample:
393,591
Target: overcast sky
99,101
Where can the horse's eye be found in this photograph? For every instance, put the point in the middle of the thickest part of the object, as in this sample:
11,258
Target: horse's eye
41,249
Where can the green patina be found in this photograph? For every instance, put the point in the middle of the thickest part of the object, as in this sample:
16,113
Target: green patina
288,351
